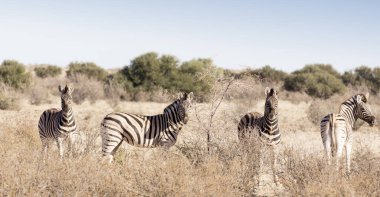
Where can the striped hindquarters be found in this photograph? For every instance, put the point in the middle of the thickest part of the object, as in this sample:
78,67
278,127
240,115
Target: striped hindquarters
267,130
334,132
248,123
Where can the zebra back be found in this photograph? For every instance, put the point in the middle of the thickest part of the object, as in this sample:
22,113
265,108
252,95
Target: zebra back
146,131
266,125
56,123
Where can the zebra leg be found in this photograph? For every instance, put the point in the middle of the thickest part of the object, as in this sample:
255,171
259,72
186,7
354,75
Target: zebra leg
348,157
111,141
326,134
60,147
261,163
327,145
274,164
110,156
45,147
338,155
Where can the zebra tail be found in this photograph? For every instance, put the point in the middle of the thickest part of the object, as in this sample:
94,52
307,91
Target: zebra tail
333,136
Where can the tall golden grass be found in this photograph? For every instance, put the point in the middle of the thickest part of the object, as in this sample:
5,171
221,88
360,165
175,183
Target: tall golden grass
188,168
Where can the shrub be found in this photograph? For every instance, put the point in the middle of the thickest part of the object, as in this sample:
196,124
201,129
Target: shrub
151,72
316,80
88,69
13,74
8,98
268,74
198,76
44,71
363,76
85,88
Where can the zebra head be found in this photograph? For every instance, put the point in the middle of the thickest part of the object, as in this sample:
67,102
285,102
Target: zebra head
66,97
271,102
178,111
184,105
363,110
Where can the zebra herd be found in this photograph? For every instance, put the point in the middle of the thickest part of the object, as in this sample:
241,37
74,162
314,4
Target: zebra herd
162,130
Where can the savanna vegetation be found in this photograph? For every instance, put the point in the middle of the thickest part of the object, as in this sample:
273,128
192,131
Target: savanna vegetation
207,159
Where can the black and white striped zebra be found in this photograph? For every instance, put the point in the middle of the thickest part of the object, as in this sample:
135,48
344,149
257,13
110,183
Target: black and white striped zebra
267,124
336,129
55,124
265,127
145,131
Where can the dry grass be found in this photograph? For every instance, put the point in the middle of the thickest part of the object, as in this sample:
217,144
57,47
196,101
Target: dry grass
186,169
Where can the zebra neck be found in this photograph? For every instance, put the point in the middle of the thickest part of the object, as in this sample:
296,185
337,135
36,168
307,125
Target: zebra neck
270,123
67,116
173,125
348,111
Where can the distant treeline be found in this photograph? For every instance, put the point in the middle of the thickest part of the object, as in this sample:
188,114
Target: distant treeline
150,71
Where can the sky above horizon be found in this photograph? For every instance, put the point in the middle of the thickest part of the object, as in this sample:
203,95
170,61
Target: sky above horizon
235,34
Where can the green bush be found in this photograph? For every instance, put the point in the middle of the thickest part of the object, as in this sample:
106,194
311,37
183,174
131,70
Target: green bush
88,69
44,71
198,76
363,76
268,74
151,72
13,74
316,80
7,103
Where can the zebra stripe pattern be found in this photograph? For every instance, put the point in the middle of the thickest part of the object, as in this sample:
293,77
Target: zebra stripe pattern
145,131
336,129
265,127
55,124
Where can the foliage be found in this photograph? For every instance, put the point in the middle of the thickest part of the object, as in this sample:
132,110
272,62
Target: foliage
44,71
13,74
89,69
150,72
198,76
363,76
268,74
316,80
87,89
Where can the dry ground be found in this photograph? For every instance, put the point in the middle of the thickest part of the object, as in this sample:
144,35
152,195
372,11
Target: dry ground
186,169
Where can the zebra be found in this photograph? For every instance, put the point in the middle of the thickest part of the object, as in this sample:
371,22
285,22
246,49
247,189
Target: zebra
57,125
265,127
145,131
336,129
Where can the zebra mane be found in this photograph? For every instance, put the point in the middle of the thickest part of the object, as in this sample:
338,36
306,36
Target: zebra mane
171,106
348,108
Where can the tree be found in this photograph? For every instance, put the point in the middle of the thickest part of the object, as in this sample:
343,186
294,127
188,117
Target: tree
89,69
13,73
149,71
198,76
44,71
316,80
363,75
268,74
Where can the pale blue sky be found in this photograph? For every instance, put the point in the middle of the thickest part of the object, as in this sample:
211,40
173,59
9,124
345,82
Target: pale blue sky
235,34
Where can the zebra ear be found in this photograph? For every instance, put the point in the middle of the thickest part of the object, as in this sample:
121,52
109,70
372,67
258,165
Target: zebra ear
180,95
267,91
60,89
275,92
367,95
70,88
189,96
359,98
